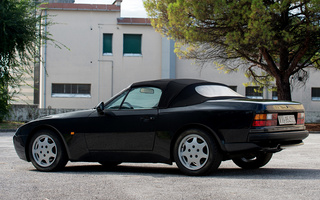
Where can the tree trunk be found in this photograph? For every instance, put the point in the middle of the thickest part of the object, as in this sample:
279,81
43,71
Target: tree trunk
283,88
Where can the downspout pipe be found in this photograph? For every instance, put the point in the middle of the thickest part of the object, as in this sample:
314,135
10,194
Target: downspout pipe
45,64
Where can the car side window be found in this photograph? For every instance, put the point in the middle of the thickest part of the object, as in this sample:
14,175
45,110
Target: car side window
142,98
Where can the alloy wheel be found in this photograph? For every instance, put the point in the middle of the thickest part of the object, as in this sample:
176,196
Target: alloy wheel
193,152
44,150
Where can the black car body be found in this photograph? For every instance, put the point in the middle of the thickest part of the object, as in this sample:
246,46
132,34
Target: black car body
195,123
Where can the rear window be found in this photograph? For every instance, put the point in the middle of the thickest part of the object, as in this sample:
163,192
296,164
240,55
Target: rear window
216,91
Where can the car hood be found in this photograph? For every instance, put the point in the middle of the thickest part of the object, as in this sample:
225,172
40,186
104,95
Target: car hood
75,114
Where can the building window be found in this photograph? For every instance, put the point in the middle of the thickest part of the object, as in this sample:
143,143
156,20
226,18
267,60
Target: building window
274,94
315,94
107,44
232,87
71,90
252,92
132,44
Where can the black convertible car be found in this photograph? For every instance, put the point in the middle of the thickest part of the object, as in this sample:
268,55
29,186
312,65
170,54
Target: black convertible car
195,123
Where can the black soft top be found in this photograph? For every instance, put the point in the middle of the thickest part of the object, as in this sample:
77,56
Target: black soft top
177,92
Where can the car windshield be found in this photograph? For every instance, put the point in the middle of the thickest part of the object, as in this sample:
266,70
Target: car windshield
116,102
216,91
136,98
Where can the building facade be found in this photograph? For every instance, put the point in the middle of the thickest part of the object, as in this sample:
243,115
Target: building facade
101,53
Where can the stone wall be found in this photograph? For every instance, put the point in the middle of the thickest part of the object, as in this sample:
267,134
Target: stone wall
312,117
25,113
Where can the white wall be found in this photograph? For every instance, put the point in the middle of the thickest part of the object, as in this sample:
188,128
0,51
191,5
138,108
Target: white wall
82,32
83,62
303,94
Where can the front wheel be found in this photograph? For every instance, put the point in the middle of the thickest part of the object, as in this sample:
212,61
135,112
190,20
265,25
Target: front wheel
196,153
47,152
253,161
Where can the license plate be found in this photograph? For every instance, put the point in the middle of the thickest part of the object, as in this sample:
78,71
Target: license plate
286,119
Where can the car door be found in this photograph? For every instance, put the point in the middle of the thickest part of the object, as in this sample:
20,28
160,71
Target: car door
127,123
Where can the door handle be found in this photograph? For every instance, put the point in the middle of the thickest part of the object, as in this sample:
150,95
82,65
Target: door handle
147,118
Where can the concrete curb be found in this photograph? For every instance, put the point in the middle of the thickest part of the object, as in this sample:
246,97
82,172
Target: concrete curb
14,130
314,132
7,130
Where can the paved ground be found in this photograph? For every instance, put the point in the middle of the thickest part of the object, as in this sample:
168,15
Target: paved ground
292,174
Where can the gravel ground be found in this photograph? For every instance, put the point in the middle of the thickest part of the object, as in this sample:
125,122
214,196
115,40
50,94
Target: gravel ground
291,174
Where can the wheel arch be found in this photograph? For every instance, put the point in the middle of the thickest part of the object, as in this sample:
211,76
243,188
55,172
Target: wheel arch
205,128
40,128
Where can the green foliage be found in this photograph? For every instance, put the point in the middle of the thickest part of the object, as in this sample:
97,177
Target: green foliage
10,125
18,32
19,41
4,107
268,38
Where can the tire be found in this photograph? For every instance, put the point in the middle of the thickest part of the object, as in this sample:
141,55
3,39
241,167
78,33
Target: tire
253,161
196,153
47,152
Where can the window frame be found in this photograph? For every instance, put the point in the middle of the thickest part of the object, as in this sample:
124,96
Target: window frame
68,92
253,96
104,50
274,94
315,98
126,52
233,87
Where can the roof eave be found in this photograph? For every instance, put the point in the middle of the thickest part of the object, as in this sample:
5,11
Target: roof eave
80,7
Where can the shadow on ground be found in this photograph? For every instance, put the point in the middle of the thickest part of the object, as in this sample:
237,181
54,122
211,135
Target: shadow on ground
228,173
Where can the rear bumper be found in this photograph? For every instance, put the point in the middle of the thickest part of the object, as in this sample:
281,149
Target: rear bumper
278,136
268,141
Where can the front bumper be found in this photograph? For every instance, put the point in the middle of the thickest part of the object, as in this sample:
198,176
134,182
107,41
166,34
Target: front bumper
20,147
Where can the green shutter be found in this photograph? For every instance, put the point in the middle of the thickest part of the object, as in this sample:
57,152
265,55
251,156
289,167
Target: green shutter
131,44
107,43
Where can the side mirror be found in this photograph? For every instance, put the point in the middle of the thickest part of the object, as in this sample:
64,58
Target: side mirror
100,108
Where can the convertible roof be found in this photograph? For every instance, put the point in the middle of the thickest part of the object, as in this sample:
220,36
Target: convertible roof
177,92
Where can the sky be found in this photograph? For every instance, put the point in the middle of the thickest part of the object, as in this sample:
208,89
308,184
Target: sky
129,8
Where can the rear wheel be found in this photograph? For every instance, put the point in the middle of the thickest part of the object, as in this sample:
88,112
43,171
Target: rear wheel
196,153
253,161
47,152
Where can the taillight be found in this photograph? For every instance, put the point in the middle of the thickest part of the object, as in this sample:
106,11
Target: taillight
265,120
300,118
